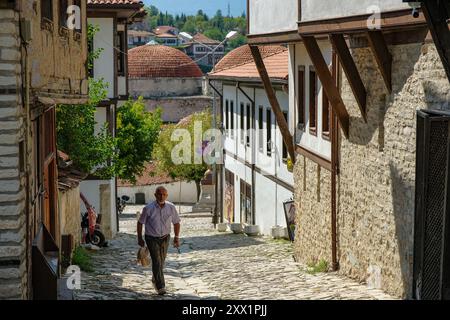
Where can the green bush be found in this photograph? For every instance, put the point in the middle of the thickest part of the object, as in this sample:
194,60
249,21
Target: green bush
82,259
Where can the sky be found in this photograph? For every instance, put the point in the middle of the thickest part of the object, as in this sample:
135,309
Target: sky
210,7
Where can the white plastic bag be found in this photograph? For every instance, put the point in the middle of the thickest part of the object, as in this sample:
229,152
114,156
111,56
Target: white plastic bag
143,257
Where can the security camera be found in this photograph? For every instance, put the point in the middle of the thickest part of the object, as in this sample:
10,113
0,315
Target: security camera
415,5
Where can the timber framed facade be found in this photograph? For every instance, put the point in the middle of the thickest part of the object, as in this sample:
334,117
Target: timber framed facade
31,35
355,192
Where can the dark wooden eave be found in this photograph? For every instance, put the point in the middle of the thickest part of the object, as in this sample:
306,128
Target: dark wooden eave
382,56
437,14
281,121
328,82
351,71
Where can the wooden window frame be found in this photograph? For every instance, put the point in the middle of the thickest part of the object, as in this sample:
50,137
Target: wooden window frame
269,132
47,17
245,193
326,116
248,124
232,119
227,116
312,101
120,57
63,5
301,123
285,154
242,122
261,129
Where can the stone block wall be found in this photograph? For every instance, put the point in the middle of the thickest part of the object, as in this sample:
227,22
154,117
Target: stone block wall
175,109
69,208
376,183
13,276
313,203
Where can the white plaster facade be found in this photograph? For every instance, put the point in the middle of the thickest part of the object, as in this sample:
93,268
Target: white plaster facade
272,180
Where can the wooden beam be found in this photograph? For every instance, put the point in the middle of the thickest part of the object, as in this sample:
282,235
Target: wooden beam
436,14
353,77
281,121
328,82
382,56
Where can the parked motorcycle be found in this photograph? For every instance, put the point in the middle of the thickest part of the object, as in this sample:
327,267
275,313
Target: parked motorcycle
90,225
122,203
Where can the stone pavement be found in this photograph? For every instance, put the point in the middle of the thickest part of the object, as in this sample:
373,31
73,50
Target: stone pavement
213,265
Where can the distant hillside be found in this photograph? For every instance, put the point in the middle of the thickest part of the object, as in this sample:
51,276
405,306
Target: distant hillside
191,7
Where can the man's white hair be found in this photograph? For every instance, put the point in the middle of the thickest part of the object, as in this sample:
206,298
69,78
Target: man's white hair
160,188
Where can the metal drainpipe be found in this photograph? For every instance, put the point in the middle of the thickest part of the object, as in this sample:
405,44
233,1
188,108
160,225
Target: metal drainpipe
238,85
334,172
218,171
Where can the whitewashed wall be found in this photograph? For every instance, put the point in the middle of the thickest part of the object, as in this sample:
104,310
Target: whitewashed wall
104,38
184,192
269,16
269,195
311,142
325,9
91,190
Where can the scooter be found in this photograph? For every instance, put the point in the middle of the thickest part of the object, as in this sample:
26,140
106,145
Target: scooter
90,225
122,203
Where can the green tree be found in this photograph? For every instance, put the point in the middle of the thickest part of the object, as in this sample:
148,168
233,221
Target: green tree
162,153
90,152
215,34
137,132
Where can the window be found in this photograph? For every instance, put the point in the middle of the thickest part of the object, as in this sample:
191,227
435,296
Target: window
227,116
90,44
249,117
269,132
285,152
242,123
325,115
246,202
260,128
78,4
120,39
63,5
301,97
312,101
232,118
47,9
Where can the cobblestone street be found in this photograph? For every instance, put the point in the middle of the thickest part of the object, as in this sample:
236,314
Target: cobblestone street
213,265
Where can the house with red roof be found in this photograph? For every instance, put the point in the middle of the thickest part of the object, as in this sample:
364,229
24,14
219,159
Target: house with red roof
255,179
166,77
205,51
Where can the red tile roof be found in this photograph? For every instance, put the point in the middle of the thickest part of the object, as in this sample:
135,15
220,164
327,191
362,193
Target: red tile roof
276,65
243,55
200,37
149,177
166,35
156,61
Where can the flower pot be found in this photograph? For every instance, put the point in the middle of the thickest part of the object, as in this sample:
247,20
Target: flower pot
222,227
279,232
236,227
252,230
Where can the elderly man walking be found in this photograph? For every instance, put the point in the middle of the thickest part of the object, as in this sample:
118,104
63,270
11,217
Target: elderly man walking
157,217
